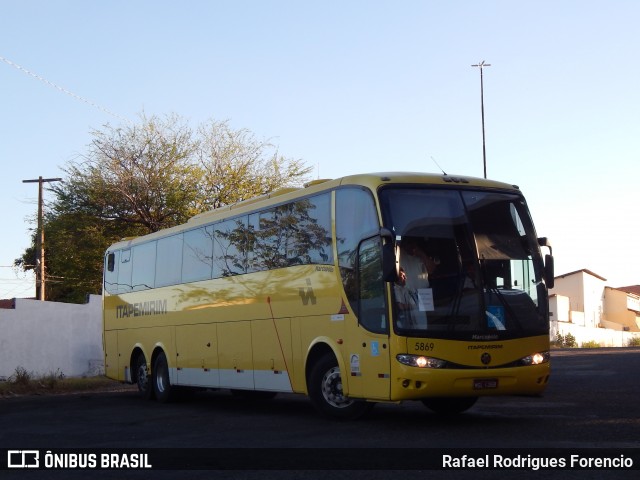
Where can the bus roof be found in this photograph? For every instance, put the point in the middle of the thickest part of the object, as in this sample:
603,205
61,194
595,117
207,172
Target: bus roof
370,180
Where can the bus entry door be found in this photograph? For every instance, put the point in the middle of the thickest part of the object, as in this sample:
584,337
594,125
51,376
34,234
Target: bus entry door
369,359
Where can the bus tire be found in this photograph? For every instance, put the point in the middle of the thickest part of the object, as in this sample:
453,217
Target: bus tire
325,391
162,387
143,380
449,405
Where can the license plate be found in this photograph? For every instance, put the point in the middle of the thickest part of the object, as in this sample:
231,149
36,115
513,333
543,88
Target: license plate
485,383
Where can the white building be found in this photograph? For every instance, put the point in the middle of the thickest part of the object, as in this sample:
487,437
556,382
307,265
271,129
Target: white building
583,305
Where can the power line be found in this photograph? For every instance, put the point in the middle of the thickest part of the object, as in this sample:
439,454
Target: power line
63,90
15,287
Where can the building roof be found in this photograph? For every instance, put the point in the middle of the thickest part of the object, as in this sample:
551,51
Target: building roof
584,270
8,303
634,289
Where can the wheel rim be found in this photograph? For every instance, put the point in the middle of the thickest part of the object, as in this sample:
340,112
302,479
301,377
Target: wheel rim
332,389
143,380
160,378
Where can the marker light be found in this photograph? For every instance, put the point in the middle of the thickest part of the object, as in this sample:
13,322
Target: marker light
420,361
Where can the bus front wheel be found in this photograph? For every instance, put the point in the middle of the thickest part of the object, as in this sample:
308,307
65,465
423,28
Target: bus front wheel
325,391
449,406
161,384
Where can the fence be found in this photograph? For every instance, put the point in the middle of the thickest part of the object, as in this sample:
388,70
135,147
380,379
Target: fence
606,337
52,338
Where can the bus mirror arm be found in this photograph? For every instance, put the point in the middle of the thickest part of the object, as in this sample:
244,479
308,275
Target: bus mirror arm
389,259
544,242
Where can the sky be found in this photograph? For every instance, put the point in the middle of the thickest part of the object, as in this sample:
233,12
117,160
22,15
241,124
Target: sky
348,87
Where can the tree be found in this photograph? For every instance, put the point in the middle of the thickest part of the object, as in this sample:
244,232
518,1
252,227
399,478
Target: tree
141,178
139,175
236,166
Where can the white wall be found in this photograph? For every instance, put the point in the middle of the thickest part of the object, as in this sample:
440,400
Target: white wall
50,337
606,337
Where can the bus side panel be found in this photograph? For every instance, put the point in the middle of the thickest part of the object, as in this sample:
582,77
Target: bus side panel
297,372
328,330
197,355
111,355
109,305
235,355
272,354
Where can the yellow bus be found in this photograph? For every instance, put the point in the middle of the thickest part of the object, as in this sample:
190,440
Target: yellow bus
368,288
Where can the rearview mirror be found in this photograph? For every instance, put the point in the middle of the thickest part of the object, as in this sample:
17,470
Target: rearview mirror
389,259
549,275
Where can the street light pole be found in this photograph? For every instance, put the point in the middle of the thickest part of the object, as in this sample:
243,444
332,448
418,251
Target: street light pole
481,65
40,276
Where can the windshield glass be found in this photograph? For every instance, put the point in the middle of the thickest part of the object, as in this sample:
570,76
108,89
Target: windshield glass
469,264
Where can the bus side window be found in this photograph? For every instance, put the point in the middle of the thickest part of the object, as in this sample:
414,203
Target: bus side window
111,260
143,270
309,231
169,261
230,247
124,272
197,254
265,245
111,272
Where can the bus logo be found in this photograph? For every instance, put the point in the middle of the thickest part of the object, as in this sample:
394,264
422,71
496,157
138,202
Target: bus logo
23,459
307,294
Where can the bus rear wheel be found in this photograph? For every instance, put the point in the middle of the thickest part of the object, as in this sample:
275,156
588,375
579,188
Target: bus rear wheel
449,406
325,390
145,388
162,387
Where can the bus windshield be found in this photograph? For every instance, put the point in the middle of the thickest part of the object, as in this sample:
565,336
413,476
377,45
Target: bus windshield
469,264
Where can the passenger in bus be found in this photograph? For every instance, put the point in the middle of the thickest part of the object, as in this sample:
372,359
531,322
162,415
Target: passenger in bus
427,268
416,263
445,280
406,301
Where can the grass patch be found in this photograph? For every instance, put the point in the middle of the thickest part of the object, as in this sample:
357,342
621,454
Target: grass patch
23,382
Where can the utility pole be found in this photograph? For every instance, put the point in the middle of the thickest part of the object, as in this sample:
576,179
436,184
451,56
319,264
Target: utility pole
481,65
40,276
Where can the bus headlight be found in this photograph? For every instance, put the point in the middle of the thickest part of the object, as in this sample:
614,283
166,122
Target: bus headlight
536,358
420,361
